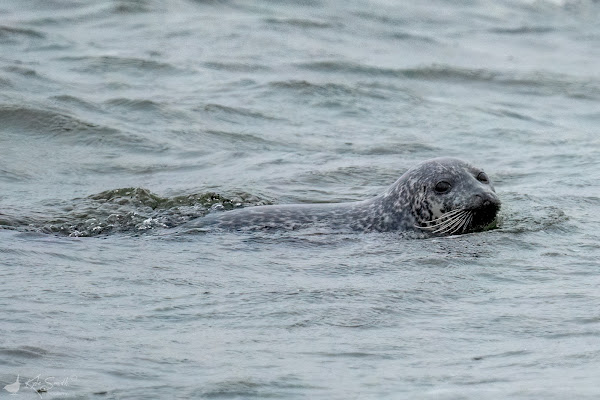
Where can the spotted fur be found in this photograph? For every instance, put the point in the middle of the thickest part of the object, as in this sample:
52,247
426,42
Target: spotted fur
411,203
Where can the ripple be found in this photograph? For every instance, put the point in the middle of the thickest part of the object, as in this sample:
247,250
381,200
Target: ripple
405,36
137,66
134,104
236,66
27,352
326,89
8,33
540,83
49,124
523,30
301,23
236,111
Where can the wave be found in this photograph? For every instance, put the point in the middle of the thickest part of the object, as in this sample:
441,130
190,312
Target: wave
541,83
98,64
51,124
301,23
9,33
236,66
126,210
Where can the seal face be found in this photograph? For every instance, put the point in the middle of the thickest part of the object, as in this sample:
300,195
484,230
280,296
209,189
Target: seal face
453,197
442,196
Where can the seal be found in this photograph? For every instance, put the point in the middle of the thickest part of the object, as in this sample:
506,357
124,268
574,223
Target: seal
441,196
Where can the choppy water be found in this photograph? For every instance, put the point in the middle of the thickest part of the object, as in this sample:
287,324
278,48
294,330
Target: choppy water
121,119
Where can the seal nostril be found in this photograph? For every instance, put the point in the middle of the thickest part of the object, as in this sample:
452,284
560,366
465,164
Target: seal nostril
486,203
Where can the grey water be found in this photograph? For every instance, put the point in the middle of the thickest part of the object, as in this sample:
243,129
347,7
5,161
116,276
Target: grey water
120,121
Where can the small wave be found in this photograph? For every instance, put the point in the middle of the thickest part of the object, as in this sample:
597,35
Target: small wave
327,89
523,30
47,124
76,101
24,352
391,148
134,104
236,66
131,6
405,36
540,83
220,109
5,83
94,64
301,23
27,72
13,175
242,140
7,33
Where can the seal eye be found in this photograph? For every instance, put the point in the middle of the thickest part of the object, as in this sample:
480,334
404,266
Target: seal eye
482,177
442,187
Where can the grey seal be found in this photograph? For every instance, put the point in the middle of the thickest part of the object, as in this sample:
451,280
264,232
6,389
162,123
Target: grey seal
441,196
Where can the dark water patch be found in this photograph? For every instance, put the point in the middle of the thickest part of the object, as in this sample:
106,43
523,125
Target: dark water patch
241,389
236,111
382,18
14,175
27,72
301,23
24,352
131,6
236,66
9,34
506,354
513,114
135,104
355,354
211,2
17,222
130,65
326,89
390,148
521,30
405,36
72,101
5,83
243,140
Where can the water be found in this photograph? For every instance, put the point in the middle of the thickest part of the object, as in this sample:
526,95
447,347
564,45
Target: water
121,120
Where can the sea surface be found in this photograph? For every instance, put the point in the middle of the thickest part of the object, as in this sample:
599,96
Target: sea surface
120,121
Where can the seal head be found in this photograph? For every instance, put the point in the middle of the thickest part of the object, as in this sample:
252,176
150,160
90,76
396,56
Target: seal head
449,196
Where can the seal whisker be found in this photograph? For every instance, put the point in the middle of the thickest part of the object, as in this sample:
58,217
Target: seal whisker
452,225
467,222
443,225
464,218
449,224
447,214
442,220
